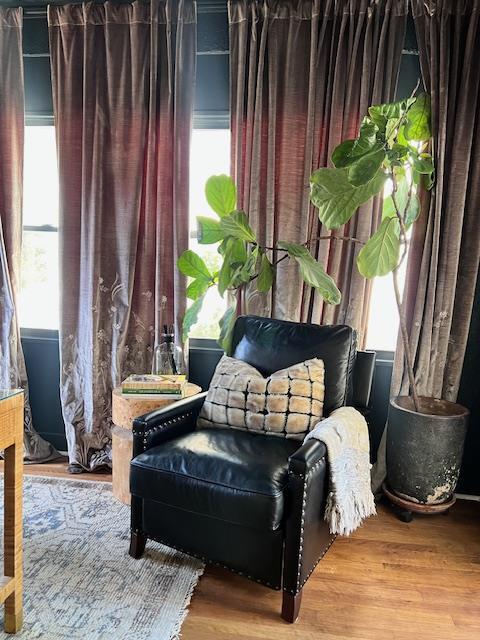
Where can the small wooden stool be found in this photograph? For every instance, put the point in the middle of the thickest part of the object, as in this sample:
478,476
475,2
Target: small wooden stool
125,408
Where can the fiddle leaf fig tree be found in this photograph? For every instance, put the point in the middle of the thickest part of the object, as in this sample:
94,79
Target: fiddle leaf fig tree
245,262
389,158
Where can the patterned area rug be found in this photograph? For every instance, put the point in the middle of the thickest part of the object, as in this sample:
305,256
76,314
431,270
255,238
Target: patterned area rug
80,582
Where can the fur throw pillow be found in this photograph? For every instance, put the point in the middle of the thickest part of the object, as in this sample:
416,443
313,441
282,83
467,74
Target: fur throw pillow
288,403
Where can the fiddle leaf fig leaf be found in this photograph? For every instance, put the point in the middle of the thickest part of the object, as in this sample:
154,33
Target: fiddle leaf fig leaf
398,153
226,324
401,139
429,180
235,265
208,230
391,129
337,198
315,275
191,264
341,156
388,209
191,316
380,114
234,251
381,253
221,194
294,250
366,168
423,163
413,210
236,225
312,271
225,276
265,275
367,138
417,126
248,268
197,288
407,203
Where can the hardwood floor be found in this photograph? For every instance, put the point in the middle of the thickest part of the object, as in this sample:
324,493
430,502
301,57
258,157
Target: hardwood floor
58,469
388,581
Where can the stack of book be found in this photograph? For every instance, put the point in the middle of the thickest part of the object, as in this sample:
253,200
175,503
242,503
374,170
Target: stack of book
167,386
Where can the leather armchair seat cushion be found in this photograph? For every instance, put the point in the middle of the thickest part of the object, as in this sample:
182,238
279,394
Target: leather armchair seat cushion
233,476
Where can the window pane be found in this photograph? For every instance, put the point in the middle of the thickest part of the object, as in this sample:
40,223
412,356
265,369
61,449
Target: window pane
210,154
39,295
40,192
383,320
39,307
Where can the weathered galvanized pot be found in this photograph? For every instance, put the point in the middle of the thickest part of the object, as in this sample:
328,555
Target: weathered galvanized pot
424,450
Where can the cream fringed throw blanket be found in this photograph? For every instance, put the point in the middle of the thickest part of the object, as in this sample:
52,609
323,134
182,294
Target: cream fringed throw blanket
350,499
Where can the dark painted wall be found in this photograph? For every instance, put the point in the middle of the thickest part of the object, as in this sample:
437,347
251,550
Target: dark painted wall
43,370
470,397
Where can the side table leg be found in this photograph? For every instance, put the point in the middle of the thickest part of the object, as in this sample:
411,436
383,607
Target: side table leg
13,533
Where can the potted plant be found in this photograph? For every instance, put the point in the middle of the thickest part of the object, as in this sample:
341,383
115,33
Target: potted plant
389,159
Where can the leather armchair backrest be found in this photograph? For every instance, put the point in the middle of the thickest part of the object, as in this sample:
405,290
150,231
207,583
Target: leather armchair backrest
270,345
363,379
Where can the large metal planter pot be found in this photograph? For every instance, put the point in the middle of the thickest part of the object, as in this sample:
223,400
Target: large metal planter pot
424,450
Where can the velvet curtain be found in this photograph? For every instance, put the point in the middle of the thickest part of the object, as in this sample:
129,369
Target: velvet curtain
123,78
303,74
445,247
445,250
12,364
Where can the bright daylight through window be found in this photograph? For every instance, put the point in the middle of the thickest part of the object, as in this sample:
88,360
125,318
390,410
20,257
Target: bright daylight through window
383,321
209,155
39,295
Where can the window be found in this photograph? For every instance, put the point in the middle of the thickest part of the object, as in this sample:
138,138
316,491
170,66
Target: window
383,321
39,294
209,155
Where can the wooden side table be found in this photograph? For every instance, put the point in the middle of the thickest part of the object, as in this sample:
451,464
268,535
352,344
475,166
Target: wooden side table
125,408
11,441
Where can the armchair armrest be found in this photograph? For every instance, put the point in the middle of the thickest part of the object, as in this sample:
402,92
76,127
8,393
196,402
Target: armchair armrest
307,534
160,425
305,457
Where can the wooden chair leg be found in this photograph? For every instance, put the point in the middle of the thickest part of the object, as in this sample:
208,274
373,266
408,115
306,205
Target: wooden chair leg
291,606
137,544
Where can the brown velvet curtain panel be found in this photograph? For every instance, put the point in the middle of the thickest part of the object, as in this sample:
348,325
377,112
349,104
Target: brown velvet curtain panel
123,78
12,364
303,73
445,250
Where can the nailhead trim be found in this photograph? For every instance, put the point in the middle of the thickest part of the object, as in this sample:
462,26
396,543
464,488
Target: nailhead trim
300,586
305,477
162,426
208,561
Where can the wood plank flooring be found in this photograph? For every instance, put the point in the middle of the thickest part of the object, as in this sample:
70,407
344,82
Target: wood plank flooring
388,581
58,469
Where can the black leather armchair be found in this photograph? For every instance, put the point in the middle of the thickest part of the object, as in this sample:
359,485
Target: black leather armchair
251,503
